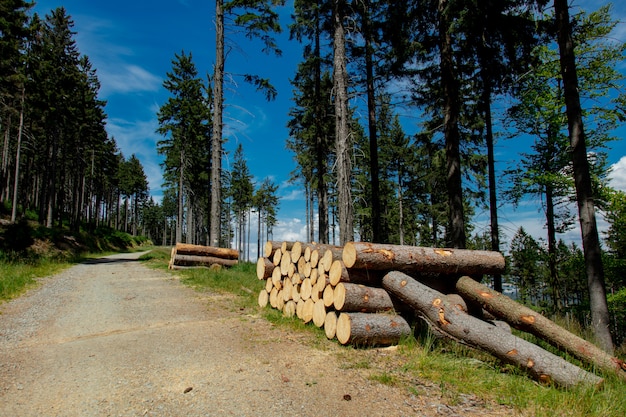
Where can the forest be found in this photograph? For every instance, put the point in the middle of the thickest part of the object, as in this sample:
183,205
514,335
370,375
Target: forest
475,72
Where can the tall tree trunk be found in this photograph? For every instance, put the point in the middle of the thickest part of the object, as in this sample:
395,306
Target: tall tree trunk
555,292
491,164
582,180
400,209
373,133
321,141
456,218
216,140
181,196
342,128
17,160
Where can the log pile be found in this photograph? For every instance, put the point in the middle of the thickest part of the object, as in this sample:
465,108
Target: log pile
185,255
367,294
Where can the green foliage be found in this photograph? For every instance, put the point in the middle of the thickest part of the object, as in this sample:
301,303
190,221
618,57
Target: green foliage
617,309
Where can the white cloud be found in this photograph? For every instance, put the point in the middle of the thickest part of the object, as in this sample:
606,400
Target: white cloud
617,175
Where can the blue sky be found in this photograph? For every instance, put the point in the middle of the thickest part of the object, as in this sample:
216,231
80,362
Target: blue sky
132,43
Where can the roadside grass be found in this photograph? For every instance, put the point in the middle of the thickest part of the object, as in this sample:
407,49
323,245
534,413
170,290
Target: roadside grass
456,370
18,275
29,251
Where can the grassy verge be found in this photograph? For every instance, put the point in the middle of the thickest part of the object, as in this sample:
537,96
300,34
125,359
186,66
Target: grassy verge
29,251
424,360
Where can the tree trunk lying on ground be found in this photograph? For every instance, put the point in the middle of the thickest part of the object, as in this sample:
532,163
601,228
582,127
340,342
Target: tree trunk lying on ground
199,250
371,329
187,255
445,318
411,259
523,318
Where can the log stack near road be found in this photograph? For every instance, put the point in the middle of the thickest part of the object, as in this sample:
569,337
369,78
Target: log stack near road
367,294
185,255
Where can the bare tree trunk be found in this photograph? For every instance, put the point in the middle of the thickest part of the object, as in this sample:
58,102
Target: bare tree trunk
216,140
181,209
373,133
342,128
456,218
321,144
17,160
582,180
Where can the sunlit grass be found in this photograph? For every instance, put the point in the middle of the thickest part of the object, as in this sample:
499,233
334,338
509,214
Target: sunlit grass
18,276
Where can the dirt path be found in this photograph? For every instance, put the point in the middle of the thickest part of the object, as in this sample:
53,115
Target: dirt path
114,338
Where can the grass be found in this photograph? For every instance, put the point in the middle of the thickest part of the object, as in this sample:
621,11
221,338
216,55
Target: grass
29,251
453,368
18,276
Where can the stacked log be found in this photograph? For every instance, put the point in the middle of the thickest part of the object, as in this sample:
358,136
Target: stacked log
309,281
364,293
185,255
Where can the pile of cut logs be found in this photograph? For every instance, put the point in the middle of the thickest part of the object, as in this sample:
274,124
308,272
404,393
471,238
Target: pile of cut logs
369,294
185,255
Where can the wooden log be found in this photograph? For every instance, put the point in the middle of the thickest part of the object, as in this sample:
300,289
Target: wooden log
315,258
328,296
330,325
295,293
289,309
269,285
270,247
296,252
195,260
523,318
286,246
339,273
263,298
448,320
371,329
285,262
277,257
307,310
296,279
199,250
307,253
287,287
277,278
413,259
357,297
319,313
330,254
306,289
172,256
274,297
264,268
299,308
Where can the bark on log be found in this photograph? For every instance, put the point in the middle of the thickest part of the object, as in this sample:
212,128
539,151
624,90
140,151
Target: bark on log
194,260
339,273
448,320
264,268
370,329
359,298
412,259
523,318
199,250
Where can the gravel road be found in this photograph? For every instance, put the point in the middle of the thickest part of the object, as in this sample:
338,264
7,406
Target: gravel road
111,337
